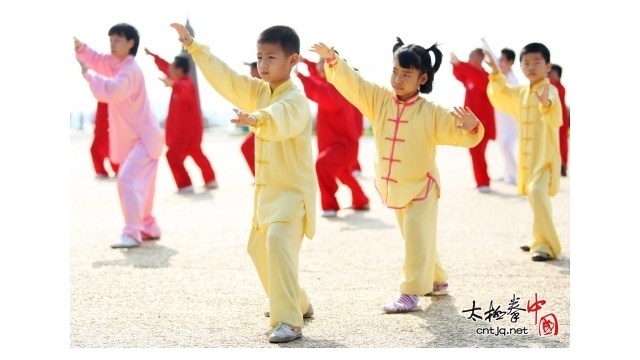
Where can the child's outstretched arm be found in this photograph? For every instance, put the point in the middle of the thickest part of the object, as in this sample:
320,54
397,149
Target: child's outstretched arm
107,89
366,96
162,64
279,121
240,90
101,63
459,127
503,96
550,105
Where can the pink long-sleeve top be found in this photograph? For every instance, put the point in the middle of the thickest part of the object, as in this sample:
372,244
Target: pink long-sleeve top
121,85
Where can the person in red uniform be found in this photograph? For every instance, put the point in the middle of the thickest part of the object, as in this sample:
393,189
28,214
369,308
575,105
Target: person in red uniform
475,80
248,146
100,145
554,78
337,141
184,126
356,114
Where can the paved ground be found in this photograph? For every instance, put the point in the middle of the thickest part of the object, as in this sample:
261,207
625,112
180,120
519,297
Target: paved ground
197,287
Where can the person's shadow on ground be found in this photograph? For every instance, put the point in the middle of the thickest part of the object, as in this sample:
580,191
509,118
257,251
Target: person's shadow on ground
147,255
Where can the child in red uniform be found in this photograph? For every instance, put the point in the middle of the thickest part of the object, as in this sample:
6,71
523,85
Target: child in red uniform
337,142
184,126
100,145
248,146
554,78
316,71
475,80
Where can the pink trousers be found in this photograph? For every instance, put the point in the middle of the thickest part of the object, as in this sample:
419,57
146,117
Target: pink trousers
136,187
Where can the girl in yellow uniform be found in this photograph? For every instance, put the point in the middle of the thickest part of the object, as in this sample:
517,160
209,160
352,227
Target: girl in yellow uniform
406,129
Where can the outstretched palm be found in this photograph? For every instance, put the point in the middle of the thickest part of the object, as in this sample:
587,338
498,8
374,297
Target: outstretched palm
467,120
323,50
543,95
183,34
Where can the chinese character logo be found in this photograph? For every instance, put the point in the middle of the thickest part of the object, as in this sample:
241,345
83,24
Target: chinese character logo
548,324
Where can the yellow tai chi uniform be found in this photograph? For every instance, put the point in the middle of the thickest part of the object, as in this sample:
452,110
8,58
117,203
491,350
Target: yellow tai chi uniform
284,208
539,155
406,134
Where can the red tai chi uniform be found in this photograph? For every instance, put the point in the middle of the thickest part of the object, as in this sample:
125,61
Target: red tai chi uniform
564,129
357,115
100,145
475,80
337,143
184,129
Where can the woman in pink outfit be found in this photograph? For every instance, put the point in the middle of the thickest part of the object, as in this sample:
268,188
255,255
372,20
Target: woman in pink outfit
135,137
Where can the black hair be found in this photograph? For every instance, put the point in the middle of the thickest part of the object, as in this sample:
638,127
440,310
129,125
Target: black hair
182,62
536,48
509,54
128,32
254,65
416,57
284,36
558,69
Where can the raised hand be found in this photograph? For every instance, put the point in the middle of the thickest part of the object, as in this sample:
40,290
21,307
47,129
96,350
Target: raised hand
454,59
147,51
489,60
167,82
183,35
323,50
244,118
83,67
77,44
543,95
467,120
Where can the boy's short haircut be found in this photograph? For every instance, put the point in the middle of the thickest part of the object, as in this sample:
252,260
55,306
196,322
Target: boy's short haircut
281,35
557,68
536,48
479,52
182,62
128,32
509,54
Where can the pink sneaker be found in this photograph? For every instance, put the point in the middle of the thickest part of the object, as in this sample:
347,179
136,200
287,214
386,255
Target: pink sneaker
404,303
439,289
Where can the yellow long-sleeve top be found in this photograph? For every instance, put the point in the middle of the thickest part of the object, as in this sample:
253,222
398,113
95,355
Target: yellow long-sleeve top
285,173
537,127
405,132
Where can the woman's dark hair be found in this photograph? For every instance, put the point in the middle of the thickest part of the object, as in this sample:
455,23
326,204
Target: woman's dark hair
128,32
416,57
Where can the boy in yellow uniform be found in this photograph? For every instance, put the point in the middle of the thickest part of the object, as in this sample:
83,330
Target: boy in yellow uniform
406,129
285,190
538,110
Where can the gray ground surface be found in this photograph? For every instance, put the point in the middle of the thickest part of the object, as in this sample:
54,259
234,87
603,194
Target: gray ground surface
197,287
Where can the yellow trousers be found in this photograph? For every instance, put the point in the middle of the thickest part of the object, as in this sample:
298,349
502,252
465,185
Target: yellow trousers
545,238
417,222
275,256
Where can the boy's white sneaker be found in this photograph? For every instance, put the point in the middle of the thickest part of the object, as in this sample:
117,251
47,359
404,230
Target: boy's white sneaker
125,241
284,333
